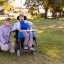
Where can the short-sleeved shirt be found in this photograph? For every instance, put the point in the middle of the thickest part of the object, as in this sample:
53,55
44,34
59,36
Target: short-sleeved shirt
17,25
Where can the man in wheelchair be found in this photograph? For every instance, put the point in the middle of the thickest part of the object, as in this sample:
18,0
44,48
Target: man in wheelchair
23,24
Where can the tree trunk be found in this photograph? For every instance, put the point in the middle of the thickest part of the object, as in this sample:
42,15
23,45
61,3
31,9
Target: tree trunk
53,15
60,15
38,9
46,11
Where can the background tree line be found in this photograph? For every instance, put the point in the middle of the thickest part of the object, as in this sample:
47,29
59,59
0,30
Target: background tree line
55,6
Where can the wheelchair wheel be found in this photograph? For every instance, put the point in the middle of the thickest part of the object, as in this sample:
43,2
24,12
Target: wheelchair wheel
18,52
0,49
17,49
34,44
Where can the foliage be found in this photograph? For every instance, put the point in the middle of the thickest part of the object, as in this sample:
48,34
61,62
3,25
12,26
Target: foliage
33,5
56,5
53,5
7,6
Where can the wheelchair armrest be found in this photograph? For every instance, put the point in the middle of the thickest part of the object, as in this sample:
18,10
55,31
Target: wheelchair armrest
34,38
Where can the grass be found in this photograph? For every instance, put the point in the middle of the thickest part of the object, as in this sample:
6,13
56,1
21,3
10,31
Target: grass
50,40
51,45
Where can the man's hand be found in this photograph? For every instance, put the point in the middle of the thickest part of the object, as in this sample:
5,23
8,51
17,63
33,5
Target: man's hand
8,33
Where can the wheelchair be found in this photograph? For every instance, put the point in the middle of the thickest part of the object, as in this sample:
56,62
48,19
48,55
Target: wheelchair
19,44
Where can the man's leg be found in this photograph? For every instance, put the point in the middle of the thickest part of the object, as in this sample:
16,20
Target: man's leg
26,36
30,41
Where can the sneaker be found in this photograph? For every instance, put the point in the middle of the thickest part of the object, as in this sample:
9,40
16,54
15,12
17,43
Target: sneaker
31,49
26,47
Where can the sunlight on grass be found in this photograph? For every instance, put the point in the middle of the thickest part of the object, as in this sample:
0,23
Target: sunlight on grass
52,26
54,53
40,31
60,27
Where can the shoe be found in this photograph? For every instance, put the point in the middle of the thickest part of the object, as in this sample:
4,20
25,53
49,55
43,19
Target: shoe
26,47
31,49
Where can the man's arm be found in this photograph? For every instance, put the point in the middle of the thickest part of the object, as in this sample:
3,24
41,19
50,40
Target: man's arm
1,37
16,26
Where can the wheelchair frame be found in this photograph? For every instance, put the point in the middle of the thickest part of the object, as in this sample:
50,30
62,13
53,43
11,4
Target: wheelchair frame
19,46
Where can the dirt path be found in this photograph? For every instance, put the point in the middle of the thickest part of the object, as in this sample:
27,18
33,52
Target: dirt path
6,58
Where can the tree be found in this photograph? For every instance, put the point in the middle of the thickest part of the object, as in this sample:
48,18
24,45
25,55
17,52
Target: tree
36,3
57,6
46,7
33,5
54,5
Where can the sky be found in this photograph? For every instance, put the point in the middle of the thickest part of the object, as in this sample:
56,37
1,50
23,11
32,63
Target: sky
19,3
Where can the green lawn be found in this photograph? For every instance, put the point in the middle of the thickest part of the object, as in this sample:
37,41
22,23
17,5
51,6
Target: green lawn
50,40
